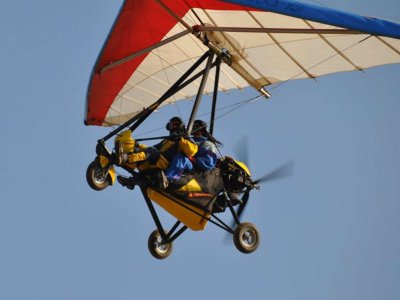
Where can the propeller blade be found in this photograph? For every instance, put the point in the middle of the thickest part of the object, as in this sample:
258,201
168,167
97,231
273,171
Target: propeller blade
279,173
241,149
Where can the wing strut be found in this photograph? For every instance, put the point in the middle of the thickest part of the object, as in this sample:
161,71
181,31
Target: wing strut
200,92
178,85
182,82
215,93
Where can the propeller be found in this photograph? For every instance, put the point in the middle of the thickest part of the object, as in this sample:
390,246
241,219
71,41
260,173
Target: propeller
241,150
281,172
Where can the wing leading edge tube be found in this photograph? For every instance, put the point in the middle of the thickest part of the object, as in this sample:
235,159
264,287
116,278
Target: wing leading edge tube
325,15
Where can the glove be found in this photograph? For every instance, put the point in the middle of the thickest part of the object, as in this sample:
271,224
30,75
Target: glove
174,137
152,155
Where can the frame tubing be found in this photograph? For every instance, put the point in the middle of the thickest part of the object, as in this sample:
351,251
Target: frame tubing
101,142
154,215
152,138
177,234
214,103
155,138
177,86
171,231
221,224
200,91
169,237
139,118
189,81
234,213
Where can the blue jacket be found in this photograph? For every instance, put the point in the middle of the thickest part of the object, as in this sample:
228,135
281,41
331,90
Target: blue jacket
206,156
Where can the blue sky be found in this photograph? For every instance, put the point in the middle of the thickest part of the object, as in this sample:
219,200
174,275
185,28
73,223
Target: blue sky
328,232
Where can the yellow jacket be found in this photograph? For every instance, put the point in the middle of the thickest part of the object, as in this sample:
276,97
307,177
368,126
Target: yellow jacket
167,149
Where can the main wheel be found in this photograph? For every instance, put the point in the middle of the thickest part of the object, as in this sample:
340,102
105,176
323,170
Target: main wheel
157,248
246,237
97,177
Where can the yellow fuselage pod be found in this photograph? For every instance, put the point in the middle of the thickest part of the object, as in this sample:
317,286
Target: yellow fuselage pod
243,166
181,211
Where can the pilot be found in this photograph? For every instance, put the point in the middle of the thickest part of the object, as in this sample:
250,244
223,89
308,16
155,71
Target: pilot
161,156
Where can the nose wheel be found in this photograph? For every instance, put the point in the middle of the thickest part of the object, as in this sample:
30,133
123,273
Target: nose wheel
157,247
97,177
246,237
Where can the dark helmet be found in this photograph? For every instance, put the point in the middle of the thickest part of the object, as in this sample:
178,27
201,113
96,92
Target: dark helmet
201,126
175,125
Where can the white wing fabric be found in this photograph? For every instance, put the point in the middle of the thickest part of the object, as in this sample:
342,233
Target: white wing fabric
283,43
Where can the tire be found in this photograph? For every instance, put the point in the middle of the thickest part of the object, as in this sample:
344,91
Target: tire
246,238
156,248
97,177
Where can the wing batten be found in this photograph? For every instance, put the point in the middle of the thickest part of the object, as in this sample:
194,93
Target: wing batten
333,47
388,45
281,46
250,78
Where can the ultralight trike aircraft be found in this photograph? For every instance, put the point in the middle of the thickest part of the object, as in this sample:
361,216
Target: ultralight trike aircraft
248,43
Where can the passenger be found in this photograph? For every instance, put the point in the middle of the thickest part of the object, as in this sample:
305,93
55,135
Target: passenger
161,156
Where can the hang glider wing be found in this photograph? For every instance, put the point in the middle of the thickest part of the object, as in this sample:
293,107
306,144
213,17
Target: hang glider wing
153,42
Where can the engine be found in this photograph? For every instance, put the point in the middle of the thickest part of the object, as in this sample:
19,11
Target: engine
235,175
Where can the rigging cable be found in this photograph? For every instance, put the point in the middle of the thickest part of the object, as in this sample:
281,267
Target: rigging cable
244,102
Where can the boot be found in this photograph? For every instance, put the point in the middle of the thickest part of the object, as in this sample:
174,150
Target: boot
129,182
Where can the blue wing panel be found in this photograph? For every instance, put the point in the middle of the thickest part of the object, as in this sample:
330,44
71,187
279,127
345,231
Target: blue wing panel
325,15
